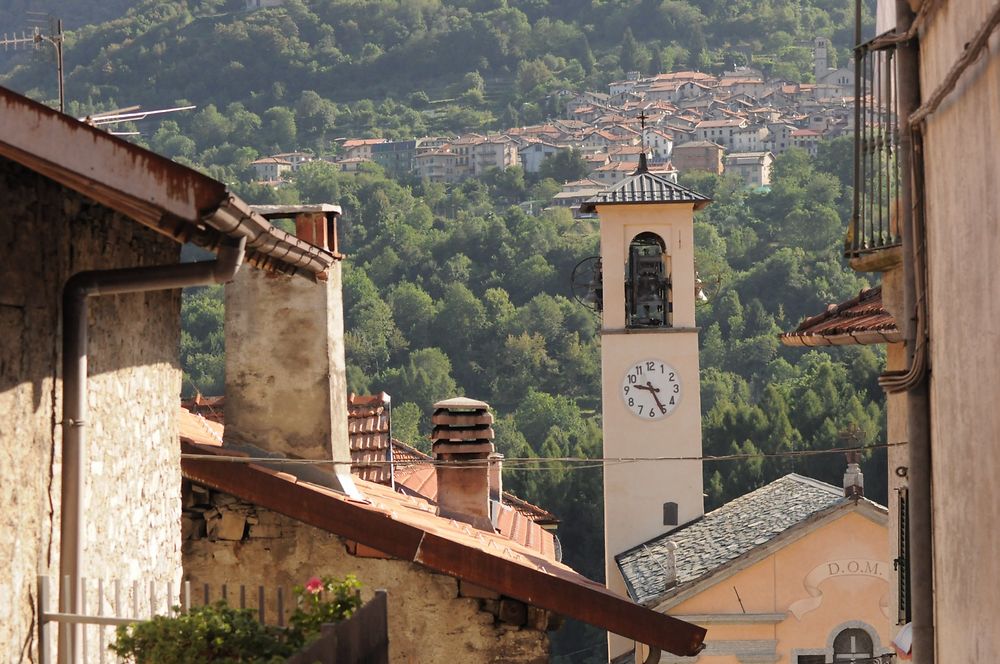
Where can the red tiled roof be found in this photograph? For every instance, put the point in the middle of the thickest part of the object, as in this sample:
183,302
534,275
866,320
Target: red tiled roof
368,430
860,320
412,472
211,408
407,528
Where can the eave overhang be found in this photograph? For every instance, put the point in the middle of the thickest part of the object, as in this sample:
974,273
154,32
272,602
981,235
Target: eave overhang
168,197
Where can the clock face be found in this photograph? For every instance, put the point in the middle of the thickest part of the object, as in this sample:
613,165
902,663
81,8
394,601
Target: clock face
651,389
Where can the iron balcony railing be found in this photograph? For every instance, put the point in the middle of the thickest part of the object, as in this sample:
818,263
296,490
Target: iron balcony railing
876,214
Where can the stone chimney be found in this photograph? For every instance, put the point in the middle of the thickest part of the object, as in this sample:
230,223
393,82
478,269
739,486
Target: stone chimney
854,479
286,389
463,451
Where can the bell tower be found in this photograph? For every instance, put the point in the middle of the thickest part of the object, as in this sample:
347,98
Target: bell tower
649,363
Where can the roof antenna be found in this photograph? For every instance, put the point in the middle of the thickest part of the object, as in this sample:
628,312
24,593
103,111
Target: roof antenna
643,166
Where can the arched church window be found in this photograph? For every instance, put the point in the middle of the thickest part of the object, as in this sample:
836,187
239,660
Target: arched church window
648,298
853,645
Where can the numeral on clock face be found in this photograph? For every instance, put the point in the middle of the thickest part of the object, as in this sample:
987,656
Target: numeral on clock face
651,389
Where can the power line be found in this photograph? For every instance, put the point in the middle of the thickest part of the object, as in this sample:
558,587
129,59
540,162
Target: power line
536,463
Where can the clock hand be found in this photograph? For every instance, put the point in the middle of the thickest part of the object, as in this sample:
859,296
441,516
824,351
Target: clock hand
653,390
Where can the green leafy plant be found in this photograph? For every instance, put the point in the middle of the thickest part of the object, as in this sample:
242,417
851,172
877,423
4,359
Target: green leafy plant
222,634
320,601
210,633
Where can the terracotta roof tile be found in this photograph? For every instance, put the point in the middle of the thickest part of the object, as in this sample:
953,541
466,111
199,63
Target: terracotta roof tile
860,320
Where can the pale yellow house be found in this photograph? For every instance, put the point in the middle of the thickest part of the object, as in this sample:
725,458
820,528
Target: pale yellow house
792,573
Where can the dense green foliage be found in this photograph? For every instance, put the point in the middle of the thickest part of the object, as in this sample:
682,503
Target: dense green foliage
223,634
211,633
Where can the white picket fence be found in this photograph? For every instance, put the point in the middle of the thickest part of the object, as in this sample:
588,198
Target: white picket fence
84,637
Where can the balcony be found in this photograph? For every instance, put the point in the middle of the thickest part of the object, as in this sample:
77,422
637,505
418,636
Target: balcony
873,239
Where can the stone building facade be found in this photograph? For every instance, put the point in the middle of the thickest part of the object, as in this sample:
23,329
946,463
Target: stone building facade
432,617
49,233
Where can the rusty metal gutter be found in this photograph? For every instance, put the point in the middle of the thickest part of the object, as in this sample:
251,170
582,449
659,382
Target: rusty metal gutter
77,292
861,338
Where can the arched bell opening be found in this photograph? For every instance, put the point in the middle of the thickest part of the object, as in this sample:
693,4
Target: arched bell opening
648,296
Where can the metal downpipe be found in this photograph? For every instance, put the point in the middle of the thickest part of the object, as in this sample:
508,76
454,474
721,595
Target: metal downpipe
78,290
915,334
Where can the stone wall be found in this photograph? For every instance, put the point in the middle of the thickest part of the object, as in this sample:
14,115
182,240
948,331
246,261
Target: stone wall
132,503
432,617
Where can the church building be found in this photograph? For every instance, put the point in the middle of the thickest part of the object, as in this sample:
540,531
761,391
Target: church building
795,572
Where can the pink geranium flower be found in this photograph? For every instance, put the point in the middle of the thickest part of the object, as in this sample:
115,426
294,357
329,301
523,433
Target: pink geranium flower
314,586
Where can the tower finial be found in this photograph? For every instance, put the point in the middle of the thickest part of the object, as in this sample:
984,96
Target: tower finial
643,165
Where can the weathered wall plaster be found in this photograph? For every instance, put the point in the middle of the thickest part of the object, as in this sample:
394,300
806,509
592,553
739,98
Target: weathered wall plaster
132,504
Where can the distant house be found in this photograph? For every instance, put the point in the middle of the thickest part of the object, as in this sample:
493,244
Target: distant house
270,169
395,156
754,168
360,147
613,172
749,139
573,194
806,139
262,4
779,137
350,164
534,153
719,131
438,165
659,143
296,159
698,156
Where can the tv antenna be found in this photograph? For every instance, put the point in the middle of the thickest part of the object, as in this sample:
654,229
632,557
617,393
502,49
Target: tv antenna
37,37
128,114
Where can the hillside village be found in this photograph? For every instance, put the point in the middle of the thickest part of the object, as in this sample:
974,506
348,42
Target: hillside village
685,120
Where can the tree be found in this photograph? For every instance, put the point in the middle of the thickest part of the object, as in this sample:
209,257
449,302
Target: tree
630,56
279,131
564,166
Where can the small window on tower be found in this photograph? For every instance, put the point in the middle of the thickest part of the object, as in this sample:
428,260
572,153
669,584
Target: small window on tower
648,299
669,514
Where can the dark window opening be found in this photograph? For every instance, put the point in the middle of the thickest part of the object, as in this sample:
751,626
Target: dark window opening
648,298
669,514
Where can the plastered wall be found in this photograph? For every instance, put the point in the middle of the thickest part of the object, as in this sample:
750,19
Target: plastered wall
962,141
132,499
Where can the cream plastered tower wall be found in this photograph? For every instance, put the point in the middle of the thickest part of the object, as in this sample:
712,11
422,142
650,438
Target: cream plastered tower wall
634,493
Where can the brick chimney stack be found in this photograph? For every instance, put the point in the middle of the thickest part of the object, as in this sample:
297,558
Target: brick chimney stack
854,479
463,431
286,386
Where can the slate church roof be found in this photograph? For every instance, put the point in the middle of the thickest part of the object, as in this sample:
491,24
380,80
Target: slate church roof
700,548
645,187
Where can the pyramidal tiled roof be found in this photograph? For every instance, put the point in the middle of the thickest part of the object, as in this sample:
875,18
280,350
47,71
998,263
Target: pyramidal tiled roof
703,546
645,187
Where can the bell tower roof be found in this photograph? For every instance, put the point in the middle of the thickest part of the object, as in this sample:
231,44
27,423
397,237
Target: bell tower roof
645,187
